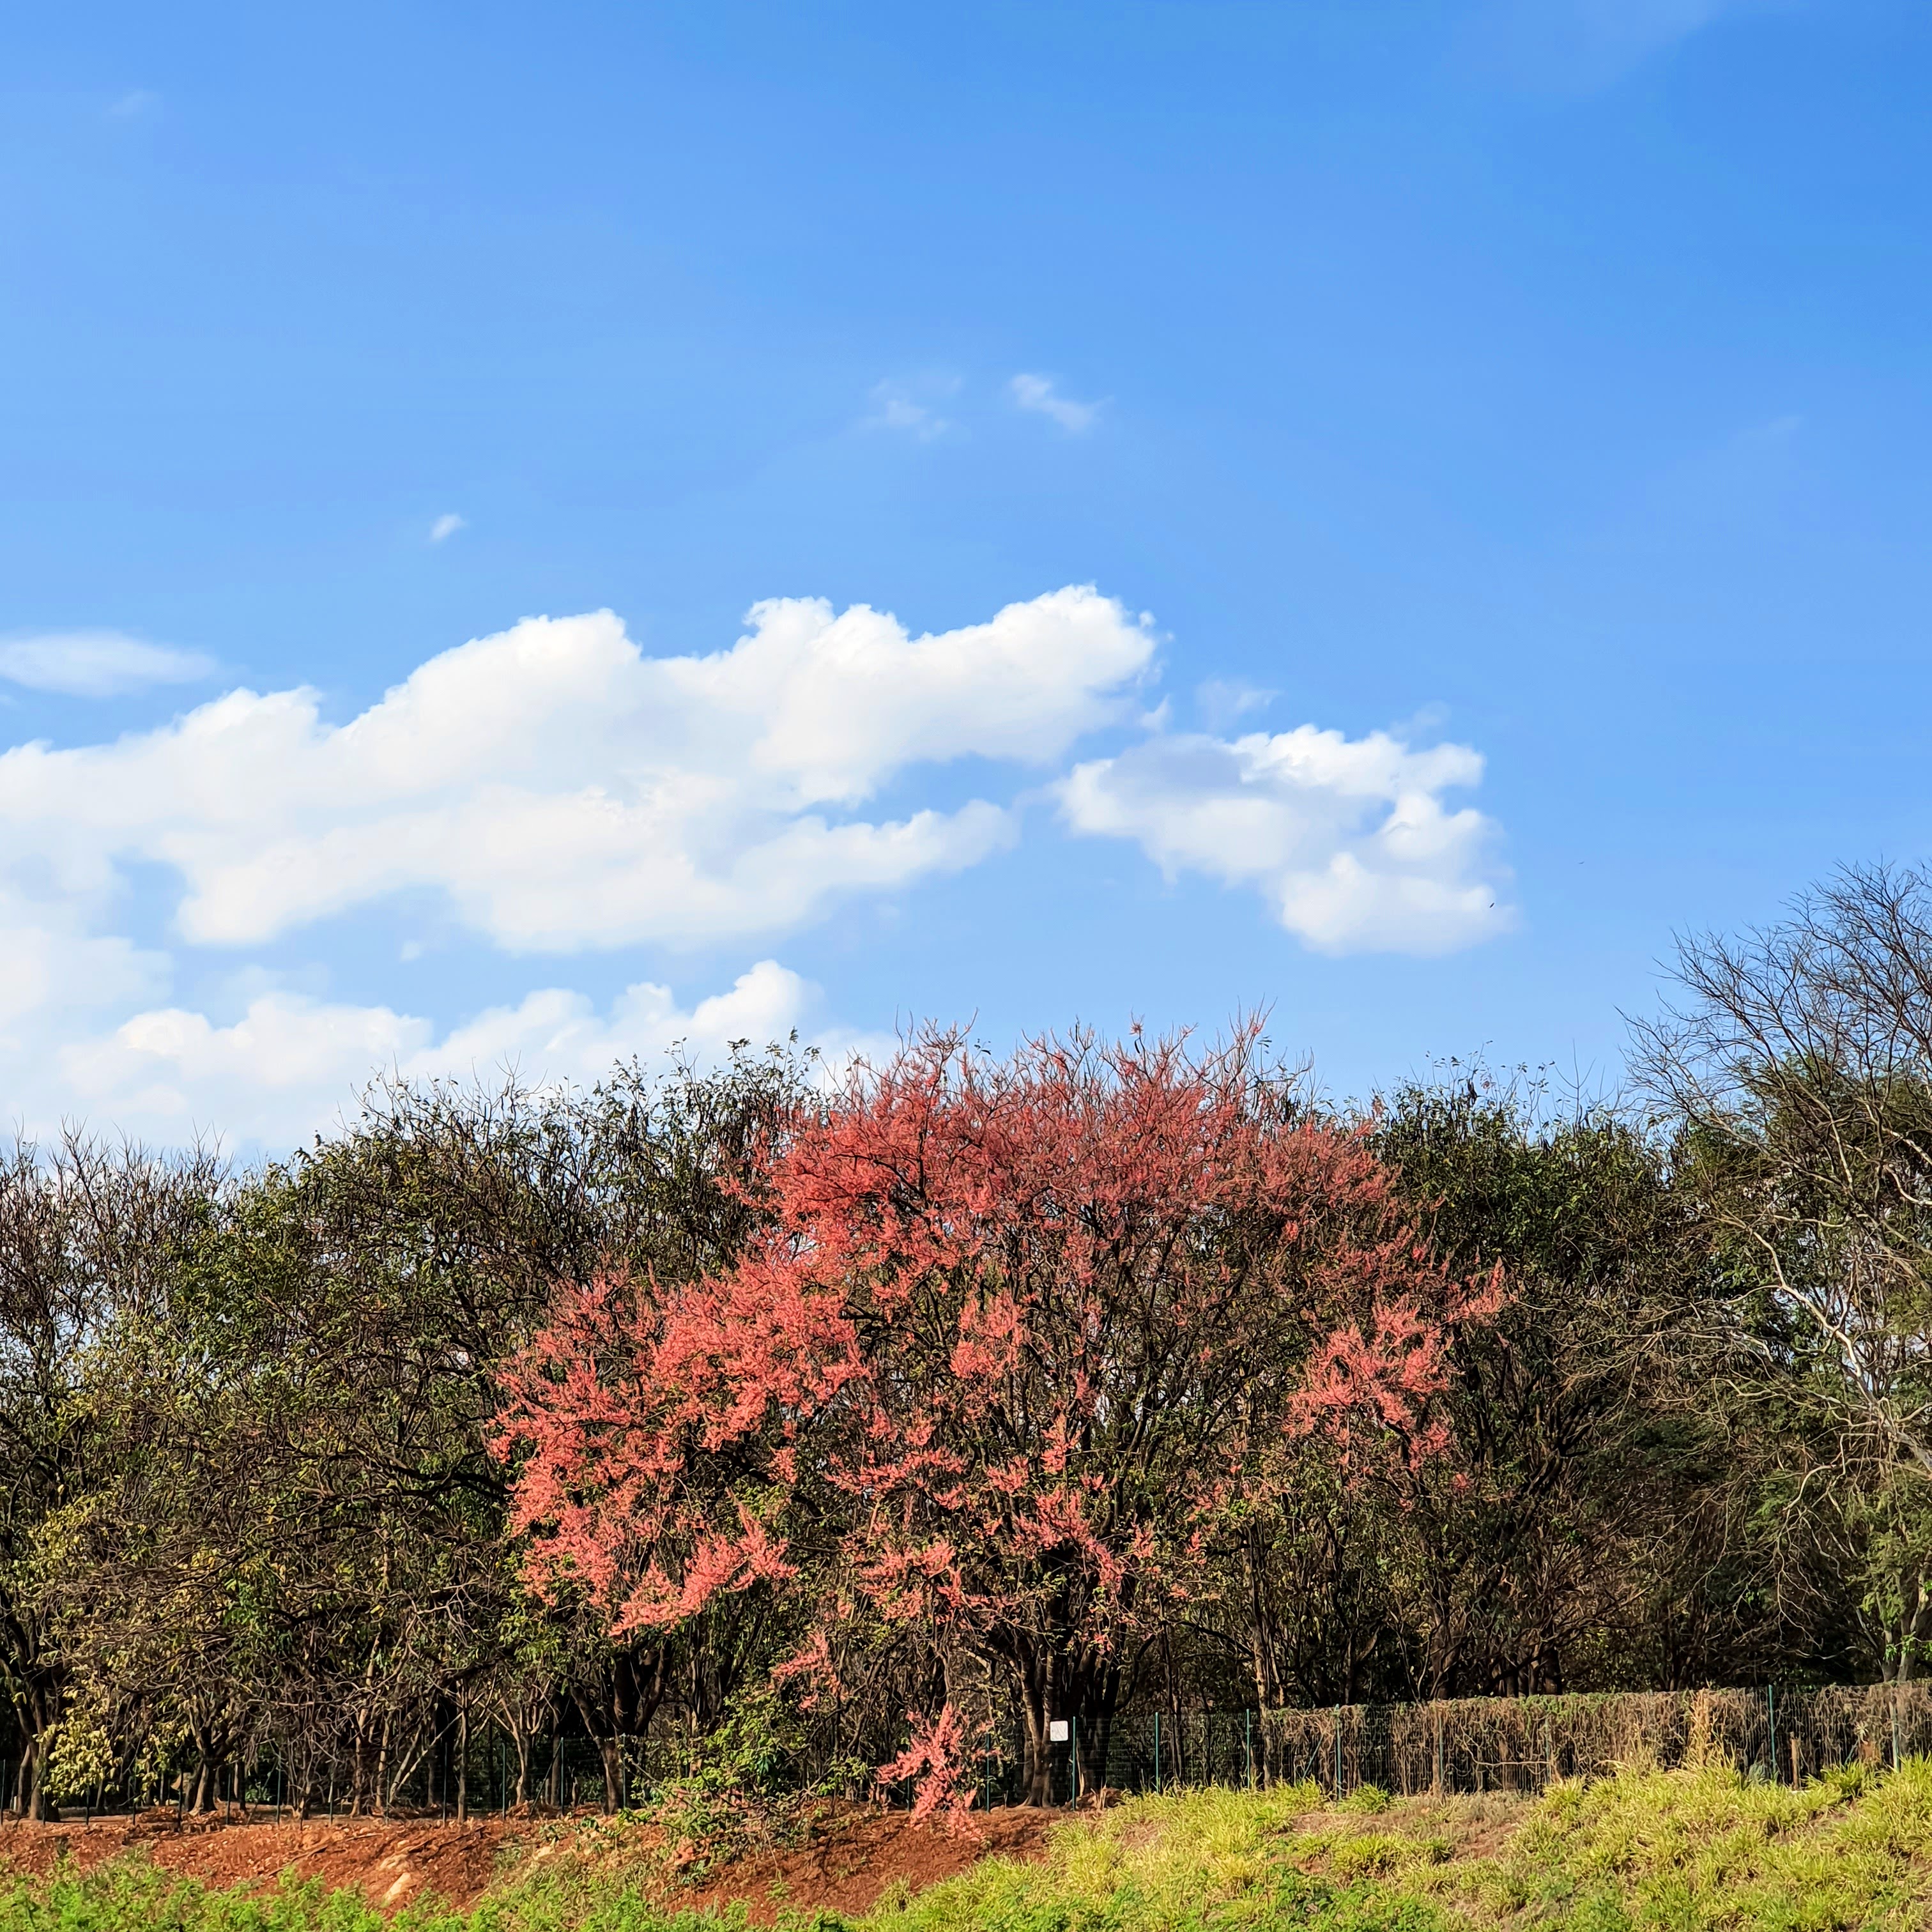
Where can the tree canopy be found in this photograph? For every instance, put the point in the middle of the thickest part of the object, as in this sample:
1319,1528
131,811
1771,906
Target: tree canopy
851,1429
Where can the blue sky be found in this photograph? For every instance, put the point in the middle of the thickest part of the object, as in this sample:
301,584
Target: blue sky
1496,435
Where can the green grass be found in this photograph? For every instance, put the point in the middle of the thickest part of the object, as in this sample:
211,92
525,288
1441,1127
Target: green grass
1643,1852
131,1895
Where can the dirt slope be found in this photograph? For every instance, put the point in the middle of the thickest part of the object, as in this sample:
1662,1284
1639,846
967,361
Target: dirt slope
843,1868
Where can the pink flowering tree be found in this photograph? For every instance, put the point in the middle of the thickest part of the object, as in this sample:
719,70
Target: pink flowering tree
1018,1339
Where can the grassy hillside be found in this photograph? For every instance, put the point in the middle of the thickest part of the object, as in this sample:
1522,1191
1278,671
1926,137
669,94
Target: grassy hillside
1672,1851
1663,1849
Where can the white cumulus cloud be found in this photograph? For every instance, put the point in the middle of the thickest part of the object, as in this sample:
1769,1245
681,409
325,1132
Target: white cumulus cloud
564,790
97,664
553,788
54,971
289,1065
1348,840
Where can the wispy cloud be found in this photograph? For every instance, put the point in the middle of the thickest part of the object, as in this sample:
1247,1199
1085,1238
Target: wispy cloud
1572,45
97,664
912,406
1038,393
447,525
132,106
1222,699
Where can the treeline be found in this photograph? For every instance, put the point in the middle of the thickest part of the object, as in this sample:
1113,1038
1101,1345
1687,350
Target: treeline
794,1424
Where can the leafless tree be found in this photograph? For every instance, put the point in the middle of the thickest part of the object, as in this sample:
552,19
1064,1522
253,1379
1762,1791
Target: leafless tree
1797,1060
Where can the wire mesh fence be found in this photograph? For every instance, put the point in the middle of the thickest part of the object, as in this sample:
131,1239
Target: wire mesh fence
1494,1743
1467,1744
1520,1744
559,1773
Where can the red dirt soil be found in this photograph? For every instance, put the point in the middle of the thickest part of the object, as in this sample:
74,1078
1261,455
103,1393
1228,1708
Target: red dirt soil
844,1867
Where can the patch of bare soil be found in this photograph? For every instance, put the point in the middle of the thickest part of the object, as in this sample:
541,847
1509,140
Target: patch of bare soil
1476,1827
390,1862
846,1864
850,1863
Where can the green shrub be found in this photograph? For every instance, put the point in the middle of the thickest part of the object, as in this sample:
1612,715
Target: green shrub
1369,1798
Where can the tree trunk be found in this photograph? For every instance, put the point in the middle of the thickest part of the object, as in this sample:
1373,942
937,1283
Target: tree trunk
1098,1700
607,1748
1052,1687
1036,1703
37,1712
379,1804
463,1765
1174,1725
